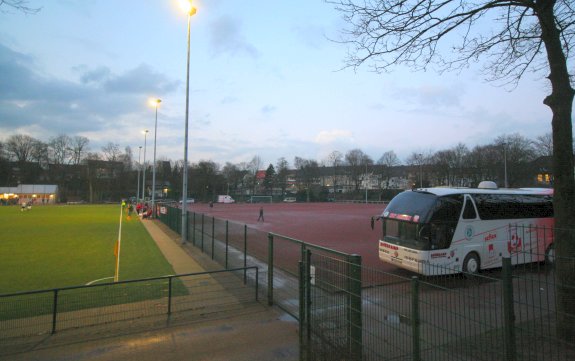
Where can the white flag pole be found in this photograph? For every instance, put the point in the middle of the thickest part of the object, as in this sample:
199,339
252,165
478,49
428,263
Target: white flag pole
119,245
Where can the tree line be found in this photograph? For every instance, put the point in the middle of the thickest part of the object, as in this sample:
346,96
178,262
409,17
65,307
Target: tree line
110,174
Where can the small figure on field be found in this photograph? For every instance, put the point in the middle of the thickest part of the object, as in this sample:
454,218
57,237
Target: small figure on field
130,209
261,214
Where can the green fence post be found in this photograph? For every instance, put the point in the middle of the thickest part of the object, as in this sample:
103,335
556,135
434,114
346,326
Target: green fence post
270,269
308,303
173,222
54,311
193,228
227,243
202,233
178,222
213,234
169,296
415,321
305,305
187,220
508,312
302,285
245,250
355,307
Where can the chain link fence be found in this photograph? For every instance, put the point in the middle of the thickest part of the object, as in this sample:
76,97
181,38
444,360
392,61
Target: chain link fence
510,313
198,295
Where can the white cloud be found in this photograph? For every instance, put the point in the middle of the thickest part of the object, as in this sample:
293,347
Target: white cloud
334,135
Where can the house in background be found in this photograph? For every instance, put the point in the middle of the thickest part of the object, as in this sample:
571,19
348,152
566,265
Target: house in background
36,193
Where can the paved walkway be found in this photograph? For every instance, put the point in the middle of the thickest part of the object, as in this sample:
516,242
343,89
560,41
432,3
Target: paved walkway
260,333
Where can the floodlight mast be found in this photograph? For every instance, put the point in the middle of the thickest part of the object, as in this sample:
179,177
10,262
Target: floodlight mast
191,11
144,168
156,103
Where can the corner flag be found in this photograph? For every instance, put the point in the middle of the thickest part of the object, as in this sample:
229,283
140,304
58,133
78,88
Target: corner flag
118,247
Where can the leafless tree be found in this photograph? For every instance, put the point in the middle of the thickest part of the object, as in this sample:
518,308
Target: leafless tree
111,151
20,147
40,153
357,161
59,149
253,167
127,158
543,145
78,145
335,160
307,173
93,156
387,161
524,35
418,162
18,5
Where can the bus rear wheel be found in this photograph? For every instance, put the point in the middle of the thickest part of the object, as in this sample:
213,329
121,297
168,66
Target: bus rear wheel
550,255
471,263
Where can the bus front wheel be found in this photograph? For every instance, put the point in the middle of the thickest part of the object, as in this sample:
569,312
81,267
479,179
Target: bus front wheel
471,263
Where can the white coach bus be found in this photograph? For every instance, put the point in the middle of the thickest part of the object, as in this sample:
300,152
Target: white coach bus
435,231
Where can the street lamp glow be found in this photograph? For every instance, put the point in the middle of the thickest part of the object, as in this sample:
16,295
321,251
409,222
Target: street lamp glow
186,5
156,103
190,11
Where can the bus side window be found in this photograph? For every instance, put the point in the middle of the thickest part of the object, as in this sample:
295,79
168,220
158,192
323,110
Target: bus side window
469,210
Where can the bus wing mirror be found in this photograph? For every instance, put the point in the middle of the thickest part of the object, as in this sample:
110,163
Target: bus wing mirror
373,219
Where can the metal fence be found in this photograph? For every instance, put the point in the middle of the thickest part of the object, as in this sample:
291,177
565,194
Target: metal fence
509,313
236,245
201,294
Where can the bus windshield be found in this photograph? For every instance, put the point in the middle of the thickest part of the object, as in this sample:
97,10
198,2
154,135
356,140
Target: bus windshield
422,220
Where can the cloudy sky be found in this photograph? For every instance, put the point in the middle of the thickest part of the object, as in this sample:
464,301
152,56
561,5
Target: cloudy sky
265,80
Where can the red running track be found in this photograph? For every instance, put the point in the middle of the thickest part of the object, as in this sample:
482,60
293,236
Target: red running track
341,226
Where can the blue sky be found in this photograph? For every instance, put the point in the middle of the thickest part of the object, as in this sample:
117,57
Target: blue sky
265,80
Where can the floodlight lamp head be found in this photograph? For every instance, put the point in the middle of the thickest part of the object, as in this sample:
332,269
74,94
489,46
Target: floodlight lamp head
186,5
154,102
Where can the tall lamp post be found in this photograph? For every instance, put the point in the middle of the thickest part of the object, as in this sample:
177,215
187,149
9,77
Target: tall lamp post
144,170
139,166
187,5
156,103
421,171
366,182
505,163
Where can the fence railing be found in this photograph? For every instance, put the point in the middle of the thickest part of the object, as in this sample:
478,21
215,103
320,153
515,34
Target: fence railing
508,313
236,245
52,310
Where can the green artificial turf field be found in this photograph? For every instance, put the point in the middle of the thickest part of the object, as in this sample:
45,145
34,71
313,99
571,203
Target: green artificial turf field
70,245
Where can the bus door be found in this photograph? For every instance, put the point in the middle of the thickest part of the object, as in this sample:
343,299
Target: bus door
480,237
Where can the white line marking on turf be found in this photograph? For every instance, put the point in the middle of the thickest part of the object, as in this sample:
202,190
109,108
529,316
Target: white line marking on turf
94,281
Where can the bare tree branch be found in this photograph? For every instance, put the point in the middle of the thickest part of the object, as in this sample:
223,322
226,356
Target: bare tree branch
417,33
18,5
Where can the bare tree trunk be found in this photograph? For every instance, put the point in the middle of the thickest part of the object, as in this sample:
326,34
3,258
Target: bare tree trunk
561,103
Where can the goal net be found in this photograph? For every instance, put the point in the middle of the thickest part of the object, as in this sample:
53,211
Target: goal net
261,199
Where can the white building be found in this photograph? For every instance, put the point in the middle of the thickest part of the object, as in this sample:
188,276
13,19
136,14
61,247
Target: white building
36,193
